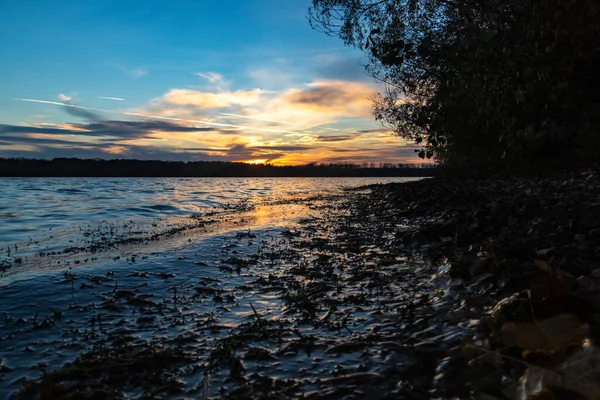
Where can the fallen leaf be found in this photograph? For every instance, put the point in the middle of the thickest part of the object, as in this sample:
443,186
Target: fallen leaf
550,334
579,375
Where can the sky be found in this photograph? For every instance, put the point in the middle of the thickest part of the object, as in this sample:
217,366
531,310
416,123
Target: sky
226,80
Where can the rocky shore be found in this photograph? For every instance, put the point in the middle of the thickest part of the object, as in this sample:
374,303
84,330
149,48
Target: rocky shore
527,248
485,289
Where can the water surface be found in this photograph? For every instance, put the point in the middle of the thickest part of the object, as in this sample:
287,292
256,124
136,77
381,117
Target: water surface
31,207
232,263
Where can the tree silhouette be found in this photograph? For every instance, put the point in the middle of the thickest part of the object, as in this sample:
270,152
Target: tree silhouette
480,82
75,167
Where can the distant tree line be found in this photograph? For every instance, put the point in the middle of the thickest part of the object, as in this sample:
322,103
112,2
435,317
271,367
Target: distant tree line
484,84
74,167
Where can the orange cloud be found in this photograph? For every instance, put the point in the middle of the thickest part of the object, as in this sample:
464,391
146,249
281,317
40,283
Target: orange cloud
322,121
285,127
202,100
304,107
337,98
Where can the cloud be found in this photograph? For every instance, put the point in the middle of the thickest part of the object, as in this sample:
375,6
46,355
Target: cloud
64,97
334,97
212,77
272,78
168,141
62,148
160,117
324,120
83,113
284,148
134,139
256,118
133,73
111,98
203,100
117,130
398,154
129,139
47,141
377,130
109,152
70,108
242,152
304,107
136,73
335,138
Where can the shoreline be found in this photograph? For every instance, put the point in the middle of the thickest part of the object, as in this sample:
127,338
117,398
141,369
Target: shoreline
426,289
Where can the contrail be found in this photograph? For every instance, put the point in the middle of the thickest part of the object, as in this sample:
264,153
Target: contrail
156,116
111,98
257,118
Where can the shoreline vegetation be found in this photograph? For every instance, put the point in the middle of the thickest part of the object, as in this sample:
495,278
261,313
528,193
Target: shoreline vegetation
484,289
74,167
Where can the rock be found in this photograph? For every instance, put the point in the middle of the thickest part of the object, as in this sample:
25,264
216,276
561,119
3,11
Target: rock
481,266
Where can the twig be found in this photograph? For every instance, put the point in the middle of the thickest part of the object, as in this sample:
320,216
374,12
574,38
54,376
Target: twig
255,313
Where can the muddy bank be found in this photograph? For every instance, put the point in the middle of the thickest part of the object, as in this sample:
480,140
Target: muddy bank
473,289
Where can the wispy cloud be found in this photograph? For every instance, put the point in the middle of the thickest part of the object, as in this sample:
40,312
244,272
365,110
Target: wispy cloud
64,97
335,138
133,139
136,114
111,98
222,99
114,129
73,109
136,73
325,120
272,77
212,77
303,107
133,73
256,118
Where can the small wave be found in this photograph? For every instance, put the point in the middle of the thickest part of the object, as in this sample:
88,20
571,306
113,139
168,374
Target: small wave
162,207
8,215
54,216
139,210
70,190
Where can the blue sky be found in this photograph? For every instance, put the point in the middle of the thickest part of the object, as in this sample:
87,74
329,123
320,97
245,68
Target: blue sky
269,87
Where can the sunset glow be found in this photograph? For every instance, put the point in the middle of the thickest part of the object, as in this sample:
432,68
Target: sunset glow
288,97
262,161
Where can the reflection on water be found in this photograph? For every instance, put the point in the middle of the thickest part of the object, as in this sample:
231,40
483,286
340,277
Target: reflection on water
31,208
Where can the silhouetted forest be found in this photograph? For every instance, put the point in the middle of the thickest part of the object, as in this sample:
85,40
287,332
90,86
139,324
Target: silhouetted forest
75,167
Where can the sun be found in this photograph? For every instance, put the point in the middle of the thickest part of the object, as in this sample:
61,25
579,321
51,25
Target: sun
260,161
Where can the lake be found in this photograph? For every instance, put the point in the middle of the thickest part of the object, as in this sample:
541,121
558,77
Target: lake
85,261
45,215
